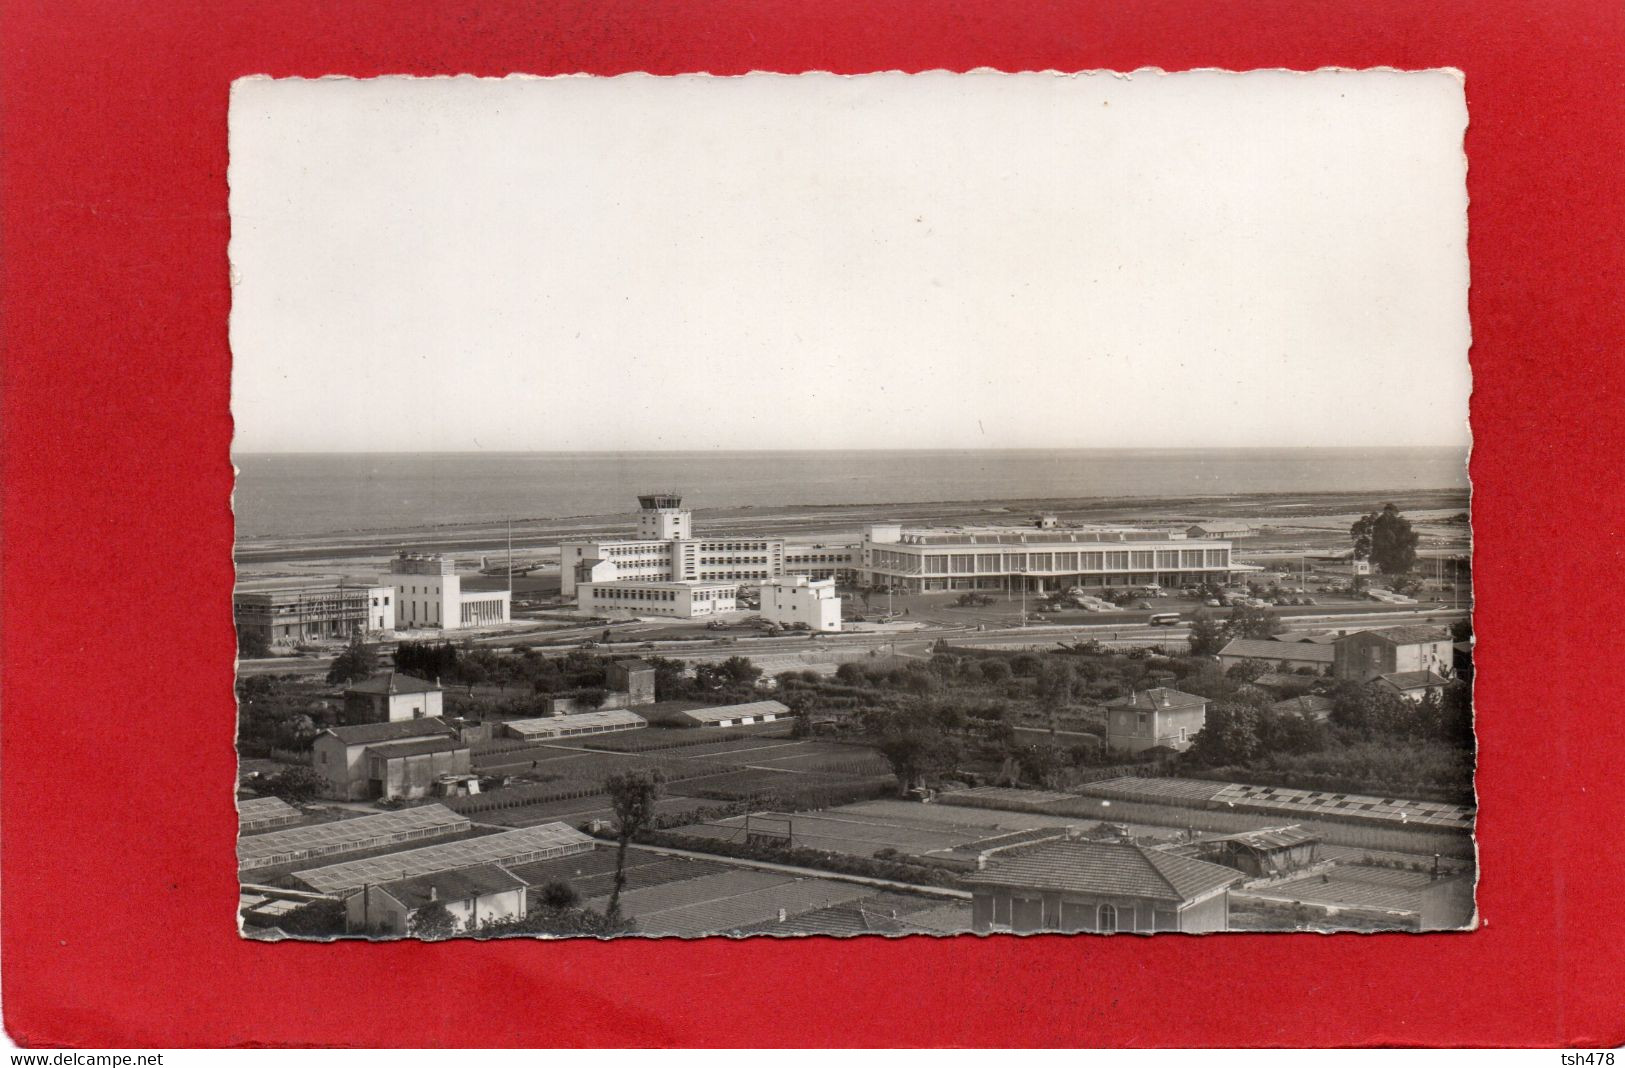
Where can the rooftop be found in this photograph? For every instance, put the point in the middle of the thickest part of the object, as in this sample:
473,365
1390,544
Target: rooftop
509,847
1159,698
1310,704
415,747
1409,635
460,884
544,725
393,683
718,713
1270,838
1269,649
1414,680
1106,868
373,733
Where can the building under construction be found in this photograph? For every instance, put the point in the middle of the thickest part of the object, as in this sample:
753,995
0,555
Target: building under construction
313,613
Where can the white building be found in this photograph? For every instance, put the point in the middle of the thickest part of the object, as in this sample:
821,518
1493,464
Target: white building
799,599
637,597
1008,558
666,550
429,593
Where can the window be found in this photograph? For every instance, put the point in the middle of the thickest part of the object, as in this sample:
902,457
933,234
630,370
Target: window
1107,920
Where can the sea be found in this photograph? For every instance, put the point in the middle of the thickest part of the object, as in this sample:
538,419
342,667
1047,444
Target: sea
283,494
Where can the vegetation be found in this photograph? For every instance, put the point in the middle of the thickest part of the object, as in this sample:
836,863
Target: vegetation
251,646
296,784
559,894
557,921
1207,637
1386,539
355,664
278,712
433,922
801,856
632,794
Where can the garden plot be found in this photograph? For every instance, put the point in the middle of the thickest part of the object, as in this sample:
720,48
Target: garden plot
847,831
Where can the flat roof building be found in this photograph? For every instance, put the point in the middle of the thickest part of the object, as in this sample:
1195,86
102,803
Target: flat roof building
642,597
1010,558
292,615
798,599
429,593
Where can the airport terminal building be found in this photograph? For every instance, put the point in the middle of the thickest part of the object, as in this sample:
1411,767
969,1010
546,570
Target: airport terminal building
1008,558
1042,559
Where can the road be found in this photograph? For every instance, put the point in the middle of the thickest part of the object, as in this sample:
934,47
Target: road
1122,629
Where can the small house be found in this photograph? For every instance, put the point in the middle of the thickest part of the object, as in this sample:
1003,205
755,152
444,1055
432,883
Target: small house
392,698
1103,887
474,896
387,760
1151,718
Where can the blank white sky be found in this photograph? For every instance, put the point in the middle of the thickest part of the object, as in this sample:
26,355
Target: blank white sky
887,261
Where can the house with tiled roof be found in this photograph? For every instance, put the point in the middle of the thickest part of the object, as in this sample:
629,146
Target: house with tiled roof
1160,717
1413,685
402,759
1315,706
1315,656
1368,654
474,896
391,698
1103,887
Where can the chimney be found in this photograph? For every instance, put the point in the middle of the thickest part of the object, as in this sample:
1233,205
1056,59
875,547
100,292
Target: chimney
434,892
1164,698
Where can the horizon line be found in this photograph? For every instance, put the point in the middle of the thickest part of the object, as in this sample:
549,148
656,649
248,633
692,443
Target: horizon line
1464,447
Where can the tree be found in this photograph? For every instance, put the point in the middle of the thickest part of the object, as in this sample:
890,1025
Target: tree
996,670
251,645
1207,637
632,794
354,664
1386,539
559,894
740,670
1229,735
1041,764
1247,670
296,784
1248,621
914,745
433,922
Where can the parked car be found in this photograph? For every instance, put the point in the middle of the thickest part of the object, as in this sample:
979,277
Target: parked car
1213,602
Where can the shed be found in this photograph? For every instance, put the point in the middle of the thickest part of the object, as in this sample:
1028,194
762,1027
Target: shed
1265,853
732,715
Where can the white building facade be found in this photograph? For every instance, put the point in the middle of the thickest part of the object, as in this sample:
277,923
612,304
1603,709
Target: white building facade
429,593
1009,558
639,597
799,599
666,550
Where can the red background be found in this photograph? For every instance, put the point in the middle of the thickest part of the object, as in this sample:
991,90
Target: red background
117,861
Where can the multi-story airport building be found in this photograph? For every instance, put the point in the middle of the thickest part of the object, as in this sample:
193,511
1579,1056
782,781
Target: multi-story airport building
1041,558
1008,558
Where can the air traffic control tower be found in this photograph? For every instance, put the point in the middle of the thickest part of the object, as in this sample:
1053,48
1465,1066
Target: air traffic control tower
662,517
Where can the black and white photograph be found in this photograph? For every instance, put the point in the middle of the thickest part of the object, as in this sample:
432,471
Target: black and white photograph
944,504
